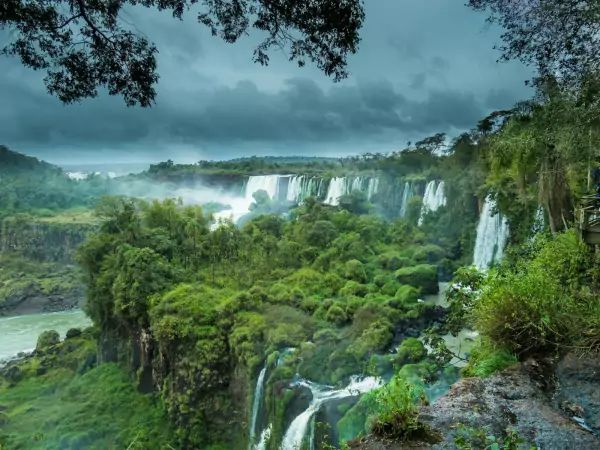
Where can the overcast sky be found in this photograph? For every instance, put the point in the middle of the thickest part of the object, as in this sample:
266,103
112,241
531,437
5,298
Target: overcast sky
422,67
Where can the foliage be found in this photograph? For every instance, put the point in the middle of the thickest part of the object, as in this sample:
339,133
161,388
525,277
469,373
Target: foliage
469,438
422,276
543,303
397,411
486,359
555,36
50,406
88,46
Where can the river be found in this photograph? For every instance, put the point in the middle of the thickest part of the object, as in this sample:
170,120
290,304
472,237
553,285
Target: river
20,333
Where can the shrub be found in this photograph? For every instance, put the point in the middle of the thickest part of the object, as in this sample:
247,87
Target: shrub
486,359
407,294
543,303
423,276
411,350
336,315
429,253
397,411
355,270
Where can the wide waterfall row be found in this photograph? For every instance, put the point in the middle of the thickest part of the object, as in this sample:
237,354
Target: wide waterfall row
296,188
433,199
492,235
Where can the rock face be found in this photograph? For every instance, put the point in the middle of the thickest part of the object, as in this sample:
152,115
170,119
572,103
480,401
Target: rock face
551,407
31,301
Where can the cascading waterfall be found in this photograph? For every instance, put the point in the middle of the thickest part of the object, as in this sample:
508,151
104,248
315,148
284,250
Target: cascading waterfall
433,199
335,190
267,183
407,194
372,188
492,235
264,438
258,395
339,186
297,430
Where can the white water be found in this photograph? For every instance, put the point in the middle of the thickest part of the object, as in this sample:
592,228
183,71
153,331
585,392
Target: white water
258,394
339,186
492,235
264,438
433,199
240,206
335,190
296,432
20,333
406,196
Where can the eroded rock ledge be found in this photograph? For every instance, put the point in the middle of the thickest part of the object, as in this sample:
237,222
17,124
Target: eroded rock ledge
552,406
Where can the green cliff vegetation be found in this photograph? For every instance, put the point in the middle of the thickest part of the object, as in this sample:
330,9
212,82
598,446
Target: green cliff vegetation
59,399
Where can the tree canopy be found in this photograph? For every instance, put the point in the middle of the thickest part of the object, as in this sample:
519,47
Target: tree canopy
560,37
83,45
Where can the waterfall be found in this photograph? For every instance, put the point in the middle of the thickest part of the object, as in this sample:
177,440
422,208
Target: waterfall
372,188
258,394
433,199
339,186
268,183
264,438
492,235
406,196
295,434
335,191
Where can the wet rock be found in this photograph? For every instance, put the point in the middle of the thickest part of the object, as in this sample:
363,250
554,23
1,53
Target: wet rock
551,406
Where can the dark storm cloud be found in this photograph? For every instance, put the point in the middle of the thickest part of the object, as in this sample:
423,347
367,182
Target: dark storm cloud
421,69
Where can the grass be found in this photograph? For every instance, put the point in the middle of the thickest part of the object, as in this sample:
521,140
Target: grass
63,409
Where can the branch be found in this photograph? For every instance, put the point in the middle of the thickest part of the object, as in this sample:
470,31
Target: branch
90,22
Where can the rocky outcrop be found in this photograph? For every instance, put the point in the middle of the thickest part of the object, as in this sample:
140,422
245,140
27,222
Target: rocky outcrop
31,300
40,240
548,406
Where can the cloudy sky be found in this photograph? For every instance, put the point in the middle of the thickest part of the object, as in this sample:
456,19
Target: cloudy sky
422,67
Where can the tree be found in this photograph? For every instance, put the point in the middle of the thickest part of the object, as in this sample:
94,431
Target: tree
559,37
83,45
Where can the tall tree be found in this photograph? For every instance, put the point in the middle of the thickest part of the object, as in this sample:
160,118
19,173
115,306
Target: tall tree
83,45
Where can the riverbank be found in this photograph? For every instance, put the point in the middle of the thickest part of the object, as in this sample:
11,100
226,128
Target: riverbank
19,333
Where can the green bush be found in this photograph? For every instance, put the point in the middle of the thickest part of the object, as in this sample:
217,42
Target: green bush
542,303
407,294
485,360
336,315
411,350
423,276
397,411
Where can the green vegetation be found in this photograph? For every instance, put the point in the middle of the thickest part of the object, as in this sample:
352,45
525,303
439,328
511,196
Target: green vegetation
397,410
58,399
547,301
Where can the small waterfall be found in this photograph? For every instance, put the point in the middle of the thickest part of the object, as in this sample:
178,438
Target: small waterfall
258,395
337,188
492,235
433,199
407,194
372,188
296,432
